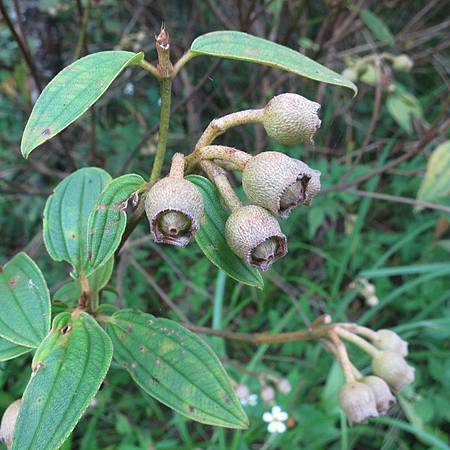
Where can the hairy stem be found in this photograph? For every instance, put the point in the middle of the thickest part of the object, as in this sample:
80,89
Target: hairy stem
166,95
219,126
265,338
342,357
217,175
358,341
237,158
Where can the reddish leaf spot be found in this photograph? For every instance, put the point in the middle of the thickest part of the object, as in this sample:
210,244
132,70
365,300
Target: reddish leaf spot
13,282
46,132
191,408
129,328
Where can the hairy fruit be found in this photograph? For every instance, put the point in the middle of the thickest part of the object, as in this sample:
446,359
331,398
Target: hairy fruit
279,183
291,119
174,209
255,235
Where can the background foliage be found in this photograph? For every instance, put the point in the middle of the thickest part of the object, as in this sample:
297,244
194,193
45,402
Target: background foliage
403,250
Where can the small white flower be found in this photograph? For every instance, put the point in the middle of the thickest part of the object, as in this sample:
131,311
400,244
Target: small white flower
276,420
245,396
129,89
250,400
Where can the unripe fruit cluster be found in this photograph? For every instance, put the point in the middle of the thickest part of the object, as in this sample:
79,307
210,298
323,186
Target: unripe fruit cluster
371,395
274,183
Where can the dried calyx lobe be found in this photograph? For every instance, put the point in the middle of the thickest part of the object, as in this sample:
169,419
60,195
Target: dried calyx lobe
174,209
255,235
279,183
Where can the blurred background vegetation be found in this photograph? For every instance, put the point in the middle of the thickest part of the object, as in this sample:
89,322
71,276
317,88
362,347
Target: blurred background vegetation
370,223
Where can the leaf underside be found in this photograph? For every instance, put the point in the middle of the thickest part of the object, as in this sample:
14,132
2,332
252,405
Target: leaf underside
68,368
108,219
245,47
71,93
176,367
211,237
66,215
24,302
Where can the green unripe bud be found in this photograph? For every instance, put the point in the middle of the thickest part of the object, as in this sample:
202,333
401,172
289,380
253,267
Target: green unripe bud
393,369
174,208
8,423
383,395
279,183
291,119
358,402
255,236
370,75
389,340
350,74
402,63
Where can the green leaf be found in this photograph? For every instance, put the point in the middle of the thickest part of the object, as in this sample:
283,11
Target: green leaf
71,93
245,47
66,215
68,368
378,28
108,220
24,302
211,237
403,107
9,350
176,367
435,186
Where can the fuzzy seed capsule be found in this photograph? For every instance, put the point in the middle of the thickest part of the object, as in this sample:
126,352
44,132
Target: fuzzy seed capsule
8,423
279,183
393,368
358,402
174,209
255,236
389,340
291,119
383,395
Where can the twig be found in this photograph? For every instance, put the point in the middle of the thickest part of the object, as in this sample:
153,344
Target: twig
82,38
265,338
398,199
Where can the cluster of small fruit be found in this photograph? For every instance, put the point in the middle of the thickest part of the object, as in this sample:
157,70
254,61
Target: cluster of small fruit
273,182
362,397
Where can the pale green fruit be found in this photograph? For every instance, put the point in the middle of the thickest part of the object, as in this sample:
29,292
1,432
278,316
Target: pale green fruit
8,423
383,395
255,236
358,402
279,183
390,340
402,63
393,368
174,208
291,119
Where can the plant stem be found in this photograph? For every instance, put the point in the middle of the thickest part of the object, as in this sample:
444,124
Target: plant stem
358,341
177,167
150,68
166,95
219,126
265,338
218,176
237,158
342,357
83,31
181,62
